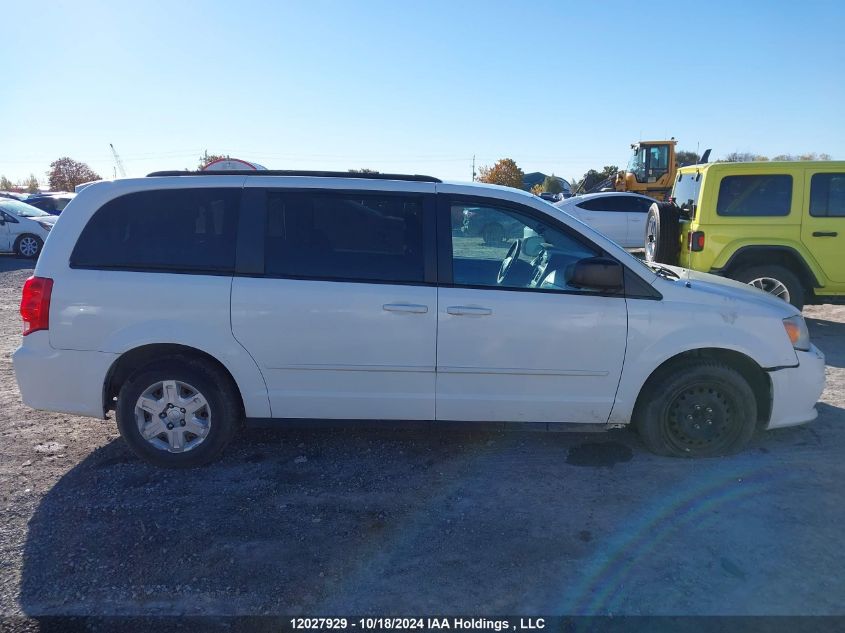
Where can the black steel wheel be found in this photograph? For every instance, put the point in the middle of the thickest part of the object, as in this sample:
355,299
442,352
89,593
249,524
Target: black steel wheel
699,409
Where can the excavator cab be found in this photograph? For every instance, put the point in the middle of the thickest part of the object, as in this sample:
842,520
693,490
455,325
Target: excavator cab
651,169
649,162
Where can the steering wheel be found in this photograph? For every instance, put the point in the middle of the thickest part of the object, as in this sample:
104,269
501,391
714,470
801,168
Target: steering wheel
507,262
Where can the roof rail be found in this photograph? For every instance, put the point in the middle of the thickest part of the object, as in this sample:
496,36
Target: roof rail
294,172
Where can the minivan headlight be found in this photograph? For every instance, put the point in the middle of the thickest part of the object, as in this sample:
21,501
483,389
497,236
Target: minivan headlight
45,225
796,330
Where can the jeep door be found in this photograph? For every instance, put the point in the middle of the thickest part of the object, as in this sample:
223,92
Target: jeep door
524,348
335,298
823,222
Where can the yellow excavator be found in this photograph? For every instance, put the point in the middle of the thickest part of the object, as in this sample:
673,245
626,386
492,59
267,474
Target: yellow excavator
651,170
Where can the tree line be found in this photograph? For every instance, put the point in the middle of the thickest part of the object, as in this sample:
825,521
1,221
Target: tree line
507,172
65,173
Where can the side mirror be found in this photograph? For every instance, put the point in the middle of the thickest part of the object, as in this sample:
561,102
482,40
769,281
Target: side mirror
597,273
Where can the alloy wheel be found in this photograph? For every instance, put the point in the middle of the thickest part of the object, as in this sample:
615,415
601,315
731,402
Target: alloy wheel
650,239
173,416
28,246
772,286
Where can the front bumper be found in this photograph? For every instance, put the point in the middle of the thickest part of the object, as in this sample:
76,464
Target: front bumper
795,390
62,380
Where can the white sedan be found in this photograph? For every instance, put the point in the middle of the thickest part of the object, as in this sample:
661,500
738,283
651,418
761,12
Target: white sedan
23,228
620,216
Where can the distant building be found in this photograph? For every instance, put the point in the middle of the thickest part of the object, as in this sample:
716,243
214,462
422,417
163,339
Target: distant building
537,178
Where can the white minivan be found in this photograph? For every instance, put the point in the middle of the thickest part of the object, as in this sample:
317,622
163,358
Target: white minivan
191,303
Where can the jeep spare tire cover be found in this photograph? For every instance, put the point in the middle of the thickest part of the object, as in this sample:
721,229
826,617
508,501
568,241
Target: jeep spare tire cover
663,233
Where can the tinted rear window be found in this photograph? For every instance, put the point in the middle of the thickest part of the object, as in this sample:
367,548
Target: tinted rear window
621,204
827,195
176,230
762,195
354,237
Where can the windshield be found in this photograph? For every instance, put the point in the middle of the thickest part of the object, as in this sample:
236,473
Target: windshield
636,165
21,209
649,162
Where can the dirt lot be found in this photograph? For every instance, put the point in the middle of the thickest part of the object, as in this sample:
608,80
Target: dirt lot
408,522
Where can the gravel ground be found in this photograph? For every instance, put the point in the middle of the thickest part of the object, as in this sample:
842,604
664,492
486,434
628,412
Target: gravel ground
321,522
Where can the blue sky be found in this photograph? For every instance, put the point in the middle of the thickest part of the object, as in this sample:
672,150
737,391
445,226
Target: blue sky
415,87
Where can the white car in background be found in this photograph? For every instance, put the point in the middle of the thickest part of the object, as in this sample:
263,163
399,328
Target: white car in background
23,228
620,216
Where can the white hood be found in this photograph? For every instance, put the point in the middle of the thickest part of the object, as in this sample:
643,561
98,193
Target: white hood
728,289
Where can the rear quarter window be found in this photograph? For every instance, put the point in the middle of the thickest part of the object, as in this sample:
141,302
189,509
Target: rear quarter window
755,196
827,195
175,230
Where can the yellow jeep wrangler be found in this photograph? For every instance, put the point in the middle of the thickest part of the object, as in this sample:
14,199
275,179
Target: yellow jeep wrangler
779,226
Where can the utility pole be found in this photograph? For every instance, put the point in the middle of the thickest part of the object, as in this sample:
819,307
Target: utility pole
473,167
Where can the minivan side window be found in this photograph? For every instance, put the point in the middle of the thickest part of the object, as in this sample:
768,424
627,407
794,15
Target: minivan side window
827,195
757,195
172,230
482,237
345,237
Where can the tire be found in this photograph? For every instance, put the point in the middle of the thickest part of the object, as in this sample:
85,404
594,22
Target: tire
220,417
28,246
776,280
673,411
493,234
663,233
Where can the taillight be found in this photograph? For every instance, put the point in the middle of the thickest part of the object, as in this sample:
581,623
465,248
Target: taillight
35,304
695,241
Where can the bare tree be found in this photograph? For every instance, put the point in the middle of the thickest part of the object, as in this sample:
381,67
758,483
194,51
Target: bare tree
65,173
206,159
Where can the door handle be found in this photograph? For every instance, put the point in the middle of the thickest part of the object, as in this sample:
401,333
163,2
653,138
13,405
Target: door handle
413,308
825,233
468,311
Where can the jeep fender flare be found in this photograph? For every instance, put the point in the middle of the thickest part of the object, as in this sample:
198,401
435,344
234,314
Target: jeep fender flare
754,251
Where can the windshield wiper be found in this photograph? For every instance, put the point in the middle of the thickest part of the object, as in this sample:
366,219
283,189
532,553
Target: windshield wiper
668,273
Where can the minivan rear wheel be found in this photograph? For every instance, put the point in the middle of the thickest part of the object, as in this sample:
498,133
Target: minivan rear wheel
698,409
177,413
776,280
28,246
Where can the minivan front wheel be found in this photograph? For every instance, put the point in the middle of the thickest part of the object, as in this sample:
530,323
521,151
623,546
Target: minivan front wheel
28,246
177,413
699,409
776,280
